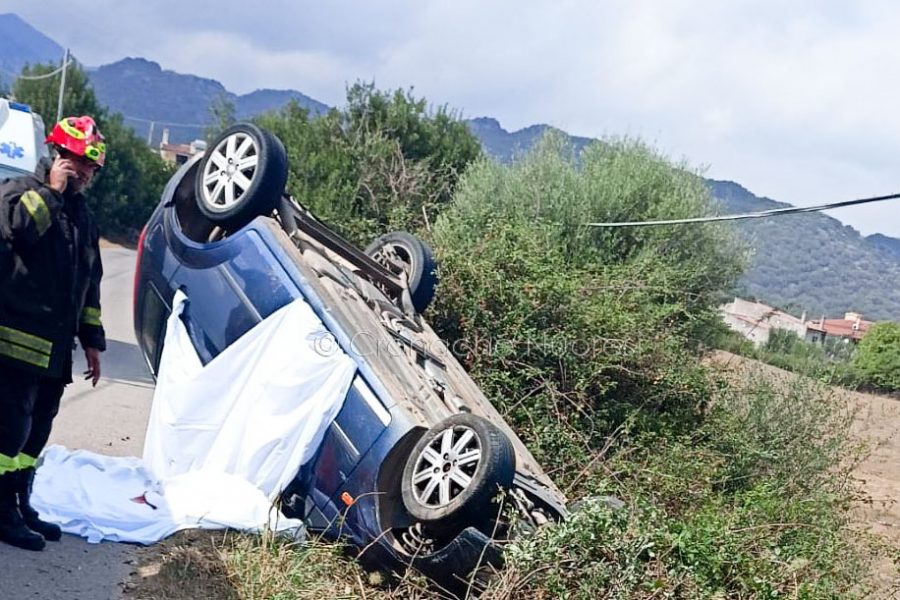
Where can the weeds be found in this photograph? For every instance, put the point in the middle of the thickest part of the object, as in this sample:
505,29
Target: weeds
751,505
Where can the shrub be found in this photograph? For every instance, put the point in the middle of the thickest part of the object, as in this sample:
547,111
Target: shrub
750,505
587,341
877,359
828,363
383,162
573,330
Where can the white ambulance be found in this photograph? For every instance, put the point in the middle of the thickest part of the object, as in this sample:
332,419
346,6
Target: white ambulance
21,139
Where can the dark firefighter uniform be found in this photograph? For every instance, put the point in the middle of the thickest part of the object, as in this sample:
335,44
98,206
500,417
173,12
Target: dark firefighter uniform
50,275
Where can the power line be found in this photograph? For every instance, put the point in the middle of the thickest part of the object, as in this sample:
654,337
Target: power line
142,120
755,215
38,77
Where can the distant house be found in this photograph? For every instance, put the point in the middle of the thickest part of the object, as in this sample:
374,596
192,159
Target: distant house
851,328
755,320
178,154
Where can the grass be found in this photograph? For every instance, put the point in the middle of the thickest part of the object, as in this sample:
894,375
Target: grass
270,568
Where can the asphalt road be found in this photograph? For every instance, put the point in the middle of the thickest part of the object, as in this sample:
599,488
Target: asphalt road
109,419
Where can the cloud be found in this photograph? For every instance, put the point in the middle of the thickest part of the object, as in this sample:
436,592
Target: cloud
243,67
797,101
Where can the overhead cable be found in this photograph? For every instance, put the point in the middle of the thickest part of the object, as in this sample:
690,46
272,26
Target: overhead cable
754,215
37,77
142,120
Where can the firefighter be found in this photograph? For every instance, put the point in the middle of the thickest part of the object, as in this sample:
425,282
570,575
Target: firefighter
49,294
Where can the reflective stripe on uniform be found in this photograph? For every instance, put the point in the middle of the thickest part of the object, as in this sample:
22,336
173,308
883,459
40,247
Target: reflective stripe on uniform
7,464
91,316
24,354
38,210
24,461
32,342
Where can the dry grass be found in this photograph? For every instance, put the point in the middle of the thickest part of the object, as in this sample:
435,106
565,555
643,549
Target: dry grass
264,567
196,565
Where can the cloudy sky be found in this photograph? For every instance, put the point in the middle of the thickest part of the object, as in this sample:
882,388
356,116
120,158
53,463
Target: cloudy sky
798,101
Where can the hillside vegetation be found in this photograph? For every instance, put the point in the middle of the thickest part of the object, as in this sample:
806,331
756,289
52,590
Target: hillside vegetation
812,262
506,146
23,45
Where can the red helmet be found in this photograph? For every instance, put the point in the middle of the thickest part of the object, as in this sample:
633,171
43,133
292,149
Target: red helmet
80,136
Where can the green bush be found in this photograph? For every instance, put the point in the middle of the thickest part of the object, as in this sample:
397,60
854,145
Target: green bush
383,162
787,342
586,340
721,337
877,359
573,330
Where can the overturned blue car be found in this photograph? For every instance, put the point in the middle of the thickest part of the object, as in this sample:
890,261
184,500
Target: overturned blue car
418,469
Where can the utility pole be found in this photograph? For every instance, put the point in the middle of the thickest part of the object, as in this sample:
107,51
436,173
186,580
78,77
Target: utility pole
62,86
150,135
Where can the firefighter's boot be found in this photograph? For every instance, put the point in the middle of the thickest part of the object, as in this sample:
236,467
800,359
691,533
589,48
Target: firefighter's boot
13,529
24,483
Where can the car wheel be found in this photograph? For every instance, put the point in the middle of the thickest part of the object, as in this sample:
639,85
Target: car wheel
403,252
455,470
242,176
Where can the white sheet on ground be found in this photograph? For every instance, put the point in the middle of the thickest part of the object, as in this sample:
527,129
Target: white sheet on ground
222,441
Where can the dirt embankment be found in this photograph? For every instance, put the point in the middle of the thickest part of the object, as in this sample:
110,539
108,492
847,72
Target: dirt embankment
878,424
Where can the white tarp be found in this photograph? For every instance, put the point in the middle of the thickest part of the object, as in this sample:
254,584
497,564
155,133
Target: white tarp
223,439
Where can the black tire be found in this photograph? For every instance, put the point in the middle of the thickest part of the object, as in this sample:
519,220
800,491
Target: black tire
462,505
232,196
401,251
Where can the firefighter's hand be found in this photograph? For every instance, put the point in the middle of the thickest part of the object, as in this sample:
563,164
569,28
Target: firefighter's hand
92,356
60,172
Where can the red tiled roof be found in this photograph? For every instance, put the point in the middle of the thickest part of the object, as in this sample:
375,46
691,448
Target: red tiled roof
840,327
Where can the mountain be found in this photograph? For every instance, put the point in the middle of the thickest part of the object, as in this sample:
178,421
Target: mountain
889,244
813,262
23,44
145,93
504,145
260,101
